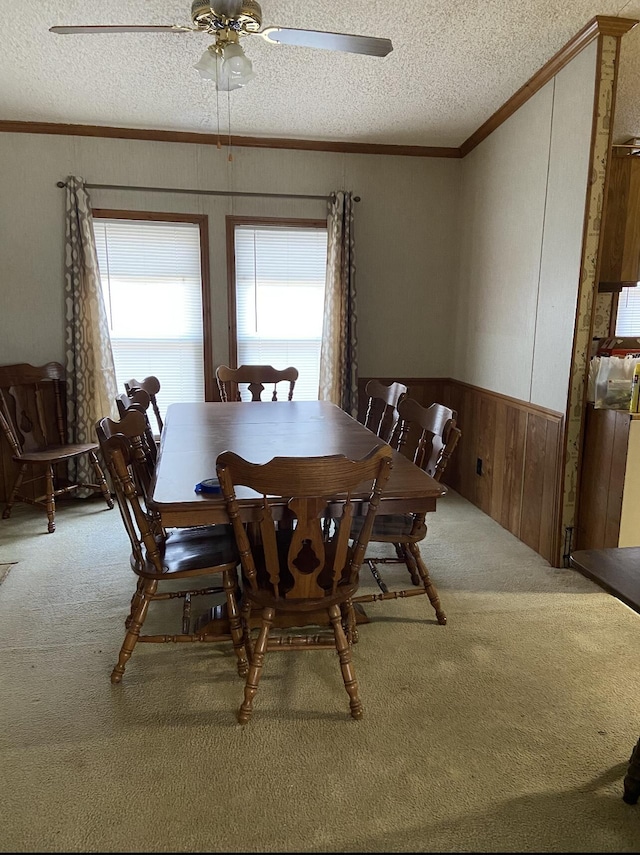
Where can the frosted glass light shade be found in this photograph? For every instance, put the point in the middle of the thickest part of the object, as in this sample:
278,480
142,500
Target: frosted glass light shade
231,71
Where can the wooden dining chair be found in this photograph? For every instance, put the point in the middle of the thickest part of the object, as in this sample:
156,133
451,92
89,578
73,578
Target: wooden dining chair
33,421
435,436
151,386
294,570
381,415
255,377
157,558
139,400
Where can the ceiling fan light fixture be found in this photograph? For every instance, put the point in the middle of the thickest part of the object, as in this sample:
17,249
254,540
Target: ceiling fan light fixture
231,70
206,65
237,63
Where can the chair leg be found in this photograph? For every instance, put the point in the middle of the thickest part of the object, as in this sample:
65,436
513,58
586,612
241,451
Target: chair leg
14,491
429,587
133,632
135,601
349,622
50,500
102,481
245,618
346,666
257,661
409,560
230,583
632,778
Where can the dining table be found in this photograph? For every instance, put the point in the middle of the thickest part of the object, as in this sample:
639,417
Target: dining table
194,434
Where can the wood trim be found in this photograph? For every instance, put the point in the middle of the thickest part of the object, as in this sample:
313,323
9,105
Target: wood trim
202,221
591,253
514,402
155,216
600,25
210,387
151,134
231,222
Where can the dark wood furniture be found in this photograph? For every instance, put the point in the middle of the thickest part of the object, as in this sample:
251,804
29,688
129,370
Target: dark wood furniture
255,377
617,570
157,557
151,386
632,778
381,415
140,400
195,434
434,435
294,569
608,514
620,261
26,393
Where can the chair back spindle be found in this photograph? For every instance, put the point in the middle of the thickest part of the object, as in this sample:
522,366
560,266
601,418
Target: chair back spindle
381,415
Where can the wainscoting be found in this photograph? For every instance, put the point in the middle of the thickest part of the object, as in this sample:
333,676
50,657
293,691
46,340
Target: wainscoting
519,446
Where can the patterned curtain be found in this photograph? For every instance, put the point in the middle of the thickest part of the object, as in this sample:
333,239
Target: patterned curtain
91,378
338,355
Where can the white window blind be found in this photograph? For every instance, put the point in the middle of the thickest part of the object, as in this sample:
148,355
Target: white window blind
280,283
151,281
628,318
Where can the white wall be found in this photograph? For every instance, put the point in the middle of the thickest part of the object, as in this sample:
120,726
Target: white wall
521,220
405,234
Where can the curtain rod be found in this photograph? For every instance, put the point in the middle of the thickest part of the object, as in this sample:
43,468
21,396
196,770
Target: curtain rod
201,192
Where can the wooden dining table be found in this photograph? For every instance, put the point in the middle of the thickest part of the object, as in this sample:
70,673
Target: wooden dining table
195,434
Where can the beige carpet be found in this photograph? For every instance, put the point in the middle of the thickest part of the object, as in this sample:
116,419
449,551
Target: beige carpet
507,730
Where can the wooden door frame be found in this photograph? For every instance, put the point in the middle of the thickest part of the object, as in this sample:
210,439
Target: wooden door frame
231,222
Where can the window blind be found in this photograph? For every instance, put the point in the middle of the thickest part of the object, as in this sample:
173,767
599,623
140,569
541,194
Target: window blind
152,287
280,283
628,318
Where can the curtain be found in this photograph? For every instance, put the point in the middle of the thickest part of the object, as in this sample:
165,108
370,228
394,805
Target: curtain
91,378
338,355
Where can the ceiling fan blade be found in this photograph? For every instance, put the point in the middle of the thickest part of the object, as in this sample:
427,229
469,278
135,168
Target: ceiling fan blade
171,28
329,41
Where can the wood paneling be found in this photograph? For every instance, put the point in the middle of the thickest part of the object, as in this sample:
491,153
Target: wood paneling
519,446
603,471
620,257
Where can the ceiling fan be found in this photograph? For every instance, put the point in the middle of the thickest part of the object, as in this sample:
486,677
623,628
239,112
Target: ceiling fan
224,60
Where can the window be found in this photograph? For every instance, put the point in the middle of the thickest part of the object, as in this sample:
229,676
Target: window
155,296
277,283
628,317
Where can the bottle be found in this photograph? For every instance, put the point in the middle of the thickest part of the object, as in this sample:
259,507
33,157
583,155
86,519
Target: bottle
634,406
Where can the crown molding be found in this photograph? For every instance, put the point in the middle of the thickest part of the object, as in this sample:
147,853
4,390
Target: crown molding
194,137
601,25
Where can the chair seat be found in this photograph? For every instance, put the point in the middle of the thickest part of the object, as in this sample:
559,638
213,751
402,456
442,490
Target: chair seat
189,552
55,452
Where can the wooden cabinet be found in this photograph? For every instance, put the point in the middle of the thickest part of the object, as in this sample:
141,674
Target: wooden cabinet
609,505
620,261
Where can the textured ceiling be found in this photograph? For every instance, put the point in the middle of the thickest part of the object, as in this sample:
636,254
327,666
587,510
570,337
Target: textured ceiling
453,64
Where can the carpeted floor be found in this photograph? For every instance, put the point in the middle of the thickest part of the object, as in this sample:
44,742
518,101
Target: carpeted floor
508,730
